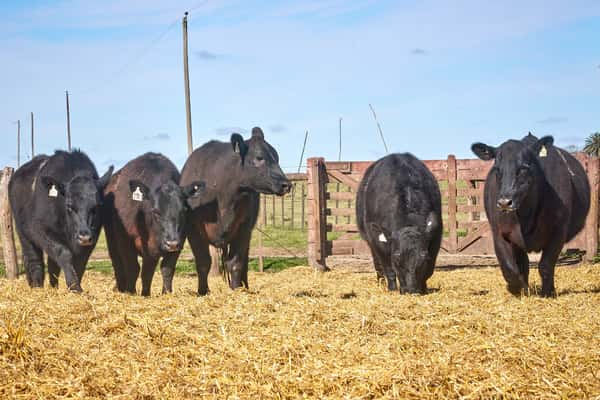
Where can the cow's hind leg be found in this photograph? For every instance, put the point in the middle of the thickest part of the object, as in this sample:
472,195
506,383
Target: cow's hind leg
547,264
378,267
201,257
33,258
237,259
53,272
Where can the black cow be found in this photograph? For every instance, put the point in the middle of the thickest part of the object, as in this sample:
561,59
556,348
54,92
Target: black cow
537,197
398,211
235,173
56,205
145,211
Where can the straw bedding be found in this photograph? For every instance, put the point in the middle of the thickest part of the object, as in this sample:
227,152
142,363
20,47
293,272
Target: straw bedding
298,334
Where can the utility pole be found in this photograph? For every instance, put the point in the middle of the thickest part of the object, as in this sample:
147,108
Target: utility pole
32,146
18,143
68,122
340,153
186,76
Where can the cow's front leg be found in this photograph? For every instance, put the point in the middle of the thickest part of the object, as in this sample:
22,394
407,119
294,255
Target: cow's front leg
63,257
505,252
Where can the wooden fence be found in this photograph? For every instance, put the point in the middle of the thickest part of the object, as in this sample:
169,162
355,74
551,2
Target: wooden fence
287,211
466,230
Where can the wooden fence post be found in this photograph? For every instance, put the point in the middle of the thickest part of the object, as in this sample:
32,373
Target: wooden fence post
260,237
302,205
317,220
294,187
591,223
452,174
6,224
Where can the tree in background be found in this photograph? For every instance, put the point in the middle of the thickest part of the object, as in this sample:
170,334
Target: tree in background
592,144
572,148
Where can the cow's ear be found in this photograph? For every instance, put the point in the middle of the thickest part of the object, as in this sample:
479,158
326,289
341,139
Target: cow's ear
52,186
483,151
239,146
104,179
383,235
258,133
139,191
542,143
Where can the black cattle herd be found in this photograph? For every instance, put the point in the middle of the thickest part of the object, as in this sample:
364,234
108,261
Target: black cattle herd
536,198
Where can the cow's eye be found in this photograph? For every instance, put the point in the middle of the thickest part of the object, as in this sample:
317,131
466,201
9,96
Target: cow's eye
523,171
259,158
70,208
155,213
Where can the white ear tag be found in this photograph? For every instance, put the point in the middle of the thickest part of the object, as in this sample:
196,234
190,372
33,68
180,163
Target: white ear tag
137,194
53,192
543,152
429,223
382,238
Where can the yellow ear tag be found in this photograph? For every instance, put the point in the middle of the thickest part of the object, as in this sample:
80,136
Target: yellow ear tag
53,192
137,194
543,152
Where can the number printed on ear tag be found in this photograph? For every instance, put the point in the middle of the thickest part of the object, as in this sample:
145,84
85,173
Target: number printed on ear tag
53,192
543,152
137,194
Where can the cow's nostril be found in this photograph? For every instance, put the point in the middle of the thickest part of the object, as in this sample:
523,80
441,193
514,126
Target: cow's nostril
84,239
172,245
504,203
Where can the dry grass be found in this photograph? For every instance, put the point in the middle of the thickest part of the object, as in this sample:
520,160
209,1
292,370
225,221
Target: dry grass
303,334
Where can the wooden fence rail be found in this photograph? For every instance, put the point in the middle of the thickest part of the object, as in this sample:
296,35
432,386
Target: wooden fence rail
466,230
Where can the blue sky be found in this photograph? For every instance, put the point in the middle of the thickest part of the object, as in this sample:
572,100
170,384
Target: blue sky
440,74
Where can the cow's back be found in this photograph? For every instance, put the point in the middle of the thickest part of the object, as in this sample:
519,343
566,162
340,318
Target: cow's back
21,189
393,190
568,179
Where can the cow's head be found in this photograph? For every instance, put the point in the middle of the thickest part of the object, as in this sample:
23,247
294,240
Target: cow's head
409,250
166,207
260,170
81,198
516,168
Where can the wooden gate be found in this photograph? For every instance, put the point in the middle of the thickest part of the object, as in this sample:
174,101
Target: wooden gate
331,198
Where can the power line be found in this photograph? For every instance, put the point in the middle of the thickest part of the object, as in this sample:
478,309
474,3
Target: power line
137,57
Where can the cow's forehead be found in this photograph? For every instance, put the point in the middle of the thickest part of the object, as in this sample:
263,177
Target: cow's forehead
265,147
82,187
512,150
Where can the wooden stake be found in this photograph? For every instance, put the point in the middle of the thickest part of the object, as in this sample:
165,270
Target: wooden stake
340,152
18,143
68,122
6,225
379,128
302,154
32,141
